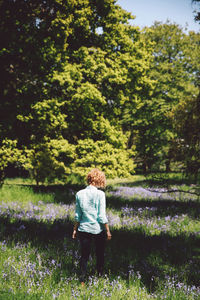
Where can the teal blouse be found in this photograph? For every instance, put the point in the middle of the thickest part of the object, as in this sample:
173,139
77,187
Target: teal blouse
91,210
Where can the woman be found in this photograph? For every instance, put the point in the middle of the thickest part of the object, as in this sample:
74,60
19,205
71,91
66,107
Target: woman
91,221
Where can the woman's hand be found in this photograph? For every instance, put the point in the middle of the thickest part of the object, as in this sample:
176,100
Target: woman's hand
109,235
75,230
74,234
108,232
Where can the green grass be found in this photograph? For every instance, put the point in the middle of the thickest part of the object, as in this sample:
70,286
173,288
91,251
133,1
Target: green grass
23,195
154,252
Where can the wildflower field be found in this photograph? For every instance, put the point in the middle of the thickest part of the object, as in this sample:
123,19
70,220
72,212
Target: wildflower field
154,252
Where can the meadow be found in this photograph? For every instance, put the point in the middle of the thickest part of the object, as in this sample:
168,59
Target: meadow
154,252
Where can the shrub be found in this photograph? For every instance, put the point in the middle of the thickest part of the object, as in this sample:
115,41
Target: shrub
9,154
50,160
58,160
115,162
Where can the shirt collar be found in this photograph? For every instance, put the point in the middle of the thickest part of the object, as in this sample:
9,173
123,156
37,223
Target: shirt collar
91,187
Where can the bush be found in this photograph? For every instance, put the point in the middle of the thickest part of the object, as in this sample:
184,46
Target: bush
58,160
9,154
50,160
115,162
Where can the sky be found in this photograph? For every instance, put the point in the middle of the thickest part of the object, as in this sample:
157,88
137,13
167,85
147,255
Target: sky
147,11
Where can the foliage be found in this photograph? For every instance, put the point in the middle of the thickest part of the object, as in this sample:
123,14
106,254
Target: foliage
115,162
58,160
99,85
49,160
175,71
77,71
197,12
32,45
9,154
187,124
45,119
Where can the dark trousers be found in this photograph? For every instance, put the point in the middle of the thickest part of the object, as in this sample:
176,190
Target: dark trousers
86,240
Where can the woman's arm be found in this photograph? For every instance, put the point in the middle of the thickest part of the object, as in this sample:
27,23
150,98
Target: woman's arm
109,235
78,214
75,230
102,215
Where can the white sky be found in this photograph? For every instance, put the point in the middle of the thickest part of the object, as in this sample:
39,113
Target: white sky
148,11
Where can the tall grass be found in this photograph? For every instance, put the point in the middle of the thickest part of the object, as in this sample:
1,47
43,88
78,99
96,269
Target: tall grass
154,252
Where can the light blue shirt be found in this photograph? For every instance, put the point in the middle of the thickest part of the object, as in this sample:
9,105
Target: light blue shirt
91,210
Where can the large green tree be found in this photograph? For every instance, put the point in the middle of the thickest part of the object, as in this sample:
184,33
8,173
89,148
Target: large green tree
174,70
76,72
69,69
33,41
103,73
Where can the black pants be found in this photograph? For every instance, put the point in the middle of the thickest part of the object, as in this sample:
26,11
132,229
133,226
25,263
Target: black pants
86,240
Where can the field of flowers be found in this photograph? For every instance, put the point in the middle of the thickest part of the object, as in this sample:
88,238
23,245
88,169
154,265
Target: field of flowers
154,252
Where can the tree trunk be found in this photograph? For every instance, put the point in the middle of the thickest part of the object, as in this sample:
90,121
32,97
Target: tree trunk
168,167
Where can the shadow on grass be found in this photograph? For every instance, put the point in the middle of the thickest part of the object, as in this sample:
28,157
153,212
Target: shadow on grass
153,257
62,193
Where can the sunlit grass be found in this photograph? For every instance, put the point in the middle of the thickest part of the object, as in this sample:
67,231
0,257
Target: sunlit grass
23,195
154,252
119,181
19,181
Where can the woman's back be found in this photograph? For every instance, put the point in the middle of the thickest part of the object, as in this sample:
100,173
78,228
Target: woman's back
90,209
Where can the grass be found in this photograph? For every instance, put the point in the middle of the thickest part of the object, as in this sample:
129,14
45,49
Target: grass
154,252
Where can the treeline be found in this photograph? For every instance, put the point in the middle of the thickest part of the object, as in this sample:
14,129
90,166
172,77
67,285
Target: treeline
82,88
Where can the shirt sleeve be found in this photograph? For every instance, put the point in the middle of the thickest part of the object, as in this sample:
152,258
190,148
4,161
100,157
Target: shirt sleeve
78,211
102,209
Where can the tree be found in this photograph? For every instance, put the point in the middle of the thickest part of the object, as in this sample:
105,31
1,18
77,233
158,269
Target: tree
174,69
186,123
98,87
197,13
102,77
33,42
68,69
77,71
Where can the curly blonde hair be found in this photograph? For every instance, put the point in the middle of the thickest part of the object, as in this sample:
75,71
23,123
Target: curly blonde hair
96,178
